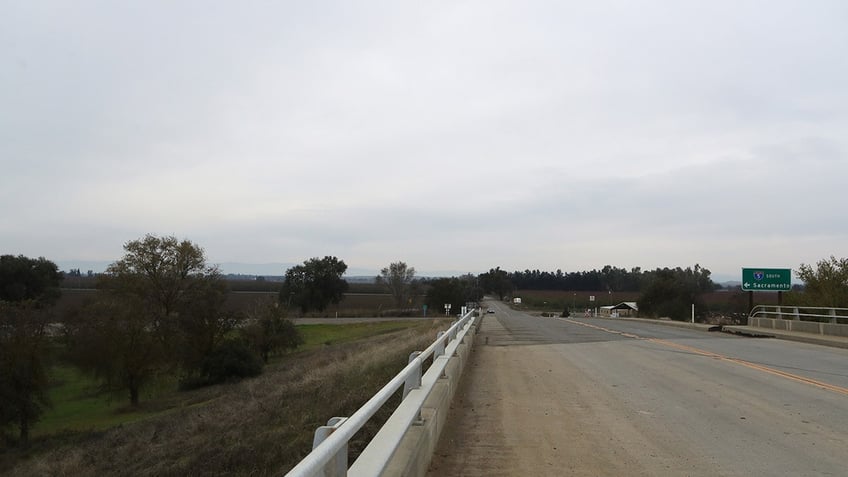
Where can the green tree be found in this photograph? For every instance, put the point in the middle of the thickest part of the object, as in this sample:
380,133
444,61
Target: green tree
399,280
827,283
315,284
202,321
27,288
112,340
471,287
182,296
496,281
23,376
672,292
446,290
268,330
23,278
161,308
162,272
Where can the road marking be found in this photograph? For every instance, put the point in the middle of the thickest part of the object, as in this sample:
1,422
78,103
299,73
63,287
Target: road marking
710,354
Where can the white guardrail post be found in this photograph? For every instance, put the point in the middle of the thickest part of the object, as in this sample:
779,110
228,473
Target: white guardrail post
337,466
440,345
329,447
413,381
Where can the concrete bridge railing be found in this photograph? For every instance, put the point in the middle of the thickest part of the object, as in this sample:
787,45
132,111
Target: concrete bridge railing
817,320
405,443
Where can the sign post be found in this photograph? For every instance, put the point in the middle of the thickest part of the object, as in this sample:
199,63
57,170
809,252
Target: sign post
766,279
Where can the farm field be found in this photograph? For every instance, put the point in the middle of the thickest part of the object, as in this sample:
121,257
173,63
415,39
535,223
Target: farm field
361,301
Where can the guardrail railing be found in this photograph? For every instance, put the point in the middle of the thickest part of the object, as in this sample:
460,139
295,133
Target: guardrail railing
329,446
802,313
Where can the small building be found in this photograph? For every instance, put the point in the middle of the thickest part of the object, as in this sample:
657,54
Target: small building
625,308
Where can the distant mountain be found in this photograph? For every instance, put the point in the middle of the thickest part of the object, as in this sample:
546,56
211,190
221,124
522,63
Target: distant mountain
259,269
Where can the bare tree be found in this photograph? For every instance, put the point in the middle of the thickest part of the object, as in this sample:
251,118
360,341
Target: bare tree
399,280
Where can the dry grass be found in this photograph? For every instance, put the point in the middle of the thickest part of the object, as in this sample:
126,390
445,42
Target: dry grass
257,427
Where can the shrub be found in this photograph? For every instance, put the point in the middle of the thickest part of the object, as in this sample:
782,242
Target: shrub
270,331
231,360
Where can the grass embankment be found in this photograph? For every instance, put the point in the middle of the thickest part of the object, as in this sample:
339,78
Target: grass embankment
77,406
260,426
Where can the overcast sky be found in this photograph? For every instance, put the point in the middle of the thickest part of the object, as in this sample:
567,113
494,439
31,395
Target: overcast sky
455,136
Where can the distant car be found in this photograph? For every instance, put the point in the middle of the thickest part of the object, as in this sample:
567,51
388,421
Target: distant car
490,311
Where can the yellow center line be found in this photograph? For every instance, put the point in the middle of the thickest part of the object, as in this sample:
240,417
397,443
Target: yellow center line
710,354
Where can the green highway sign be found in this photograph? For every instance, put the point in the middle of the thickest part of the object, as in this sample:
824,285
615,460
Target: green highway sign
766,279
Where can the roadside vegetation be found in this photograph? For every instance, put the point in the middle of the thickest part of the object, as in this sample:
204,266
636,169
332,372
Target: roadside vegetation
153,375
256,426
826,284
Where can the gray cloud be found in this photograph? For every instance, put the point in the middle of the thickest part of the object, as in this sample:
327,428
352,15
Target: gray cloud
455,136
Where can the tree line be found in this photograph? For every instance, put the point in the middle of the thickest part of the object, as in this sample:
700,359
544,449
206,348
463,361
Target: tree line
609,278
664,291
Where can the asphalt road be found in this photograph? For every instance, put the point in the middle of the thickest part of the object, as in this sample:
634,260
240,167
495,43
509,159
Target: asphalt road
584,396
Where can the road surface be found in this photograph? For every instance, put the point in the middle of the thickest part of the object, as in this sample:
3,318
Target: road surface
593,397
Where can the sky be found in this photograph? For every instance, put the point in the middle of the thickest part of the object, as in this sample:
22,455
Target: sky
456,136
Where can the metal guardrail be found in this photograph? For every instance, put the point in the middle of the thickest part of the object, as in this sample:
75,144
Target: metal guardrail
801,313
329,447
